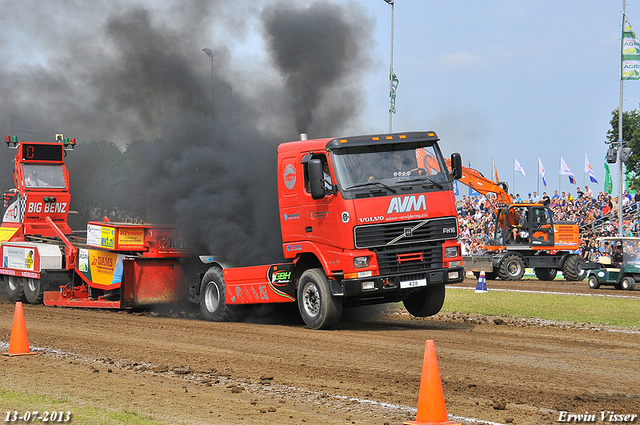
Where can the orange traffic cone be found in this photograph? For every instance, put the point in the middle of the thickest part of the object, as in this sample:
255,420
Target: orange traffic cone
19,344
431,408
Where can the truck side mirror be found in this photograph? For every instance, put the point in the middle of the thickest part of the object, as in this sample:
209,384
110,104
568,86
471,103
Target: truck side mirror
456,165
316,186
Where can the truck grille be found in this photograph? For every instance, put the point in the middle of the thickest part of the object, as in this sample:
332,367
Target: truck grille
405,232
409,258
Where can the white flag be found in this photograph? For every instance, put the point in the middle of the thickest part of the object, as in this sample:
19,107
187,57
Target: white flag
588,169
542,172
518,167
565,171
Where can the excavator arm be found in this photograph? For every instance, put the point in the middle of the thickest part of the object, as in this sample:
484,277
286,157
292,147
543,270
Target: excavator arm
472,178
475,180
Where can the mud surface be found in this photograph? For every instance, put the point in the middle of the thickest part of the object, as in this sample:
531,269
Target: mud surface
176,368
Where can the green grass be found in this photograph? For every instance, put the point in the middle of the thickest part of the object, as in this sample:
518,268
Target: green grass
567,308
21,402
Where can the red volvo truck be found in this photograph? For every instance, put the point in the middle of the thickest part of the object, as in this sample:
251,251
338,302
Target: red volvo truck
364,220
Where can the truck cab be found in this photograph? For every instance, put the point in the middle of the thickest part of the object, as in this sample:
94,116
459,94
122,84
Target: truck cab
376,214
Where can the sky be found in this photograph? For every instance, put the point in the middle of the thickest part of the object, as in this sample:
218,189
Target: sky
510,79
497,80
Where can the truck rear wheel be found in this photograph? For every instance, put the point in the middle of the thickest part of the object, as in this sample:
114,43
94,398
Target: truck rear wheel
426,302
213,305
511,268
13,288
572,268
32,290
546,274
318,308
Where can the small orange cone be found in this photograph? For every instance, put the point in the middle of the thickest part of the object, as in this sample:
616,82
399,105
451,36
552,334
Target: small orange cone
19,344
431,408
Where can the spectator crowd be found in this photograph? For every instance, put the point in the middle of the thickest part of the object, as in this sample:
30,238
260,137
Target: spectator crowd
596,216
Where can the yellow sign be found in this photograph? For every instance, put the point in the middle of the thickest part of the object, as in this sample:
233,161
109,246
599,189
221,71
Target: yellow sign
129,238
107,237
105,267
7,233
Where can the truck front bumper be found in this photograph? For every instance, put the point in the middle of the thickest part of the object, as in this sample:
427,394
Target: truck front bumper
397,283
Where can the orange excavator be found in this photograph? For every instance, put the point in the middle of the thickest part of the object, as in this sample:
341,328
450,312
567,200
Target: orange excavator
521,235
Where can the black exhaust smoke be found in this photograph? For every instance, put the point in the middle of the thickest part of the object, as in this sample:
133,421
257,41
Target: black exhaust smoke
137,76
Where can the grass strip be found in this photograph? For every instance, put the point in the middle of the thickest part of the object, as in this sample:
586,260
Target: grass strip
622,312
22,403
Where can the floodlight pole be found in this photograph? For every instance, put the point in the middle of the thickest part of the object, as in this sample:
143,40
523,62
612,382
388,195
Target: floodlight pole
391,2
209,53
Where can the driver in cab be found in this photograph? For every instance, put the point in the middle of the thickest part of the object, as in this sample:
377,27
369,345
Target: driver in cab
617,258
399,168
32,179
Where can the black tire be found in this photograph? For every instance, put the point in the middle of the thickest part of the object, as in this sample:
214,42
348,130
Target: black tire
426,302
593,282
572,268
546,274
511,268
491,275
318,308
627,283
13,288
487,275
32,290
213,305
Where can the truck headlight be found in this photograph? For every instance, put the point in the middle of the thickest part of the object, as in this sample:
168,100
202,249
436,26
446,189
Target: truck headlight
451,251
361,262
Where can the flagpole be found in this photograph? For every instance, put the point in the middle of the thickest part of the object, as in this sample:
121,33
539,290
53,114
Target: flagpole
493,166
620,135
560,175
538,179
514,175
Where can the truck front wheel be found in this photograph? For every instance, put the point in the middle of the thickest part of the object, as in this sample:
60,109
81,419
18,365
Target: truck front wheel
13,288
426,302
213,305
32,290
318,308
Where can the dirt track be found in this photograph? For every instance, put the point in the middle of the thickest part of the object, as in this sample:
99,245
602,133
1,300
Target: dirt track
367,371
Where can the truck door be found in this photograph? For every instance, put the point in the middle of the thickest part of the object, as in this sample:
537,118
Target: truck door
321,215
541,226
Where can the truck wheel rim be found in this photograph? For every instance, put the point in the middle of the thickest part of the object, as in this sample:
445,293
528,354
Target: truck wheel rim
311,300
13,283
31,283
514,268
212,297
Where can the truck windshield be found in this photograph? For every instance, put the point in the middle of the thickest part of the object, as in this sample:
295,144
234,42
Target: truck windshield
368,166
40,175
